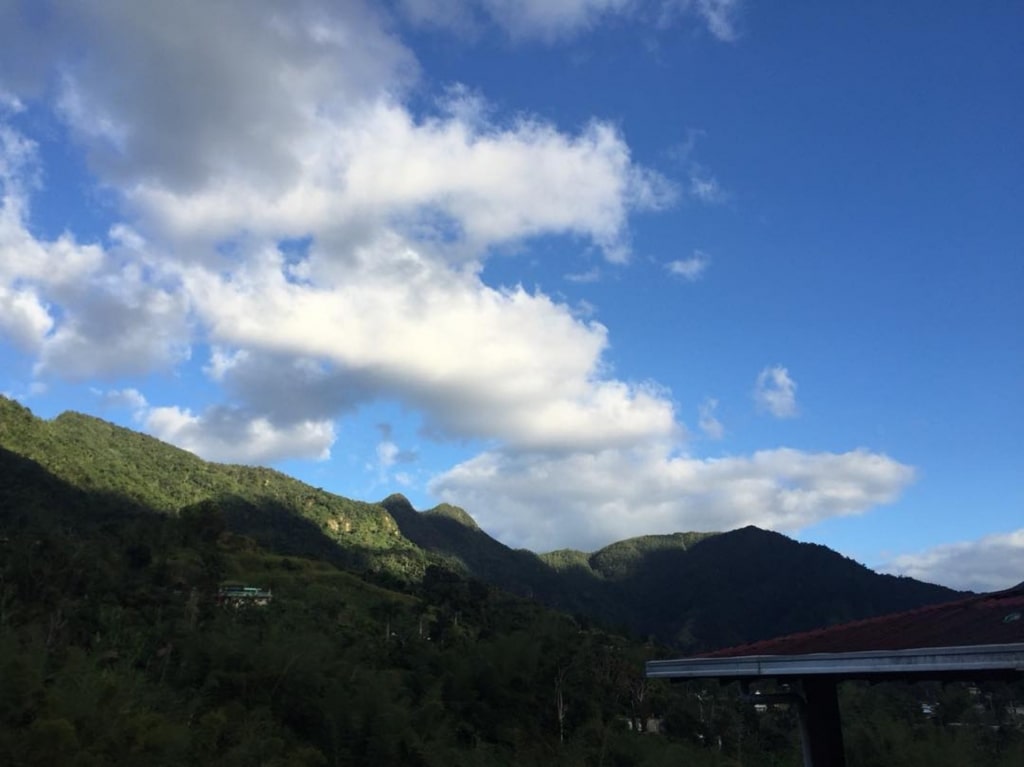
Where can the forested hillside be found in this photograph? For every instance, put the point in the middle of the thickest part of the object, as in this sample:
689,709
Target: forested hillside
689,590
115,648
137,471
692,591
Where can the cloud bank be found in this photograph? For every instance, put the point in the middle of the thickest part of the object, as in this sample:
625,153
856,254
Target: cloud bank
991,563
289,221
539,500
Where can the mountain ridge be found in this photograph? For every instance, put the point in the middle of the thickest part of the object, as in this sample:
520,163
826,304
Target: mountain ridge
692,590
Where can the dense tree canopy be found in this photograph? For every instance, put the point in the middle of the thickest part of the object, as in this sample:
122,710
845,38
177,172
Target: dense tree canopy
114,648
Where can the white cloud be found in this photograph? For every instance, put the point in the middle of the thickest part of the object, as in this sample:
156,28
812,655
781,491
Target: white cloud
588,499
17,163
690,269
129,76
554,19
720,16
230,433
550,18
127,399
775,392
42,283
708,423
454,15
386,452
233,435
327,143
991,563
442,182
706,188
84,310
477,361
291,387
23,318
400,210
10,104
117,323
390,455
301,129
583,278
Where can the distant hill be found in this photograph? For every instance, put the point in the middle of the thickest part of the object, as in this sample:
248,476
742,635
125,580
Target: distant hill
691,590
737,586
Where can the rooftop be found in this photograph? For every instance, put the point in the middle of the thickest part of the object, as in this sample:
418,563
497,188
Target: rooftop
983,619
975,637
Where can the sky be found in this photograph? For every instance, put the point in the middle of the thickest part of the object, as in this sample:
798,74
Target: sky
590,269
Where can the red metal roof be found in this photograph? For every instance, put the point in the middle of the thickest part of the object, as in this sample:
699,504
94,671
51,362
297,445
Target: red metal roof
984,619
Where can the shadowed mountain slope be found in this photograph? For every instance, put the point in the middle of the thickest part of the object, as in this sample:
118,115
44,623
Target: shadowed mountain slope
692,590
144,473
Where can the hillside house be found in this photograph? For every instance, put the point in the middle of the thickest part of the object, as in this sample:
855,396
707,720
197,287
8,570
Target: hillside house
243,596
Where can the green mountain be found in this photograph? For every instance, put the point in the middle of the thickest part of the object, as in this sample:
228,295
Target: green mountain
114,648
139,472
742,585
376,646
692,590
689,590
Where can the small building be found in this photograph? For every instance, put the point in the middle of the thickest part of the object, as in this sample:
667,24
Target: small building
243,596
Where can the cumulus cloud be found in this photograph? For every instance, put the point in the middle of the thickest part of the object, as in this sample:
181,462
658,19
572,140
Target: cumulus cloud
226,433
988,564
230,131
400,210
590,499
442,181
117,323
327,141
83,309
233,435
23,318
126,399
775,392
293,387
690,269
182,94
477,361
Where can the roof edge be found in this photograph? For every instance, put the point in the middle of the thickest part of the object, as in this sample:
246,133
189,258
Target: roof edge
917,662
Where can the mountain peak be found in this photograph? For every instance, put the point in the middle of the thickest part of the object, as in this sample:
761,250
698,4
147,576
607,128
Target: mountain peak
454,513
396,503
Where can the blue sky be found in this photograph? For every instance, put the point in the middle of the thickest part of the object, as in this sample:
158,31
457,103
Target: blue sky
588,268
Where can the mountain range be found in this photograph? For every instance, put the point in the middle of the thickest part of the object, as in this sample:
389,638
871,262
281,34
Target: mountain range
691,591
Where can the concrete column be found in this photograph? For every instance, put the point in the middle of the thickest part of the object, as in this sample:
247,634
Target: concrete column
824,728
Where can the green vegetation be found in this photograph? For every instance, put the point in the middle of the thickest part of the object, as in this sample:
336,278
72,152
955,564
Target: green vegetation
626,558
114,651
143,473
376,648
692,591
